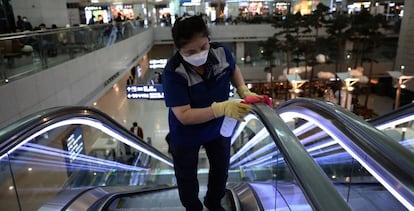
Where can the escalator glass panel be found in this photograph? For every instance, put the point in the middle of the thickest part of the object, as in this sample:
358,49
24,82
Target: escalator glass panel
354,182
402,133
72,158
8,197
258,161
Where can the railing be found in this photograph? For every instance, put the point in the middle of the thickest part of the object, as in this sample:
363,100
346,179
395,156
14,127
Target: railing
357,156
278,168
54,155
50,158
26,53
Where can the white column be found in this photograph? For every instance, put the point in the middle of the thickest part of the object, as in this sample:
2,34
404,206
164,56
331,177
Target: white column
239,52
406,43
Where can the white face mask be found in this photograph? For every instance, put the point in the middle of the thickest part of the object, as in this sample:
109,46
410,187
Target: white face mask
197,59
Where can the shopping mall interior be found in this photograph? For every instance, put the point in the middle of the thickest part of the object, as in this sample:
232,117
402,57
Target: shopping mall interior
75,75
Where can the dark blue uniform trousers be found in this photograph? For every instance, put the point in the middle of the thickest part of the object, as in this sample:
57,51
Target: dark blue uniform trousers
185,166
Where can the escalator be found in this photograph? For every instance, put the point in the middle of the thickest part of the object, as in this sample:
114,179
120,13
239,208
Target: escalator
51,158
398,125
372,170
78,158
368,169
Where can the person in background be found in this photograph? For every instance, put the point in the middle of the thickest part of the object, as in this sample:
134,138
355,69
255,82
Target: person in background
133,73
26,25
100,19
42,27
92,20
129,81
19,23
137,130
196,84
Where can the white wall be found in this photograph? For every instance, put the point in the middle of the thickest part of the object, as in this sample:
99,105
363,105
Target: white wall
42,11
76,82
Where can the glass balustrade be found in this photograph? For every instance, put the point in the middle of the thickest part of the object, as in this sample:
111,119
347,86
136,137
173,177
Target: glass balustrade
26,53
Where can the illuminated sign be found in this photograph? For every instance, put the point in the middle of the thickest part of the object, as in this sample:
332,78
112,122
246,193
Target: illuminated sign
93,8
190,2
128,6
153,92
157,63
149,92
75,144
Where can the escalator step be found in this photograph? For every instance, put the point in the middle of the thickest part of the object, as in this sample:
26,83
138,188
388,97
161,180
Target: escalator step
160,201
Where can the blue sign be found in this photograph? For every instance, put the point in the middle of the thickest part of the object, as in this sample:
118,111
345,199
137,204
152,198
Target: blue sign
149,92
153,92
182,2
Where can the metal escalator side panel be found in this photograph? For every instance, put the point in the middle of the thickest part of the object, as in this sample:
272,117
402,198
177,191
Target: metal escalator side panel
396,114
246,197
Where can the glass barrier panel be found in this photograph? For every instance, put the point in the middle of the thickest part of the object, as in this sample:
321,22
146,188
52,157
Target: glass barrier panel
76,157
257,158
23,54
402,133
8,196
355,183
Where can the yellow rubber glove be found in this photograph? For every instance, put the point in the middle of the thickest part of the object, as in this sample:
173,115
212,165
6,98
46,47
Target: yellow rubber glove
243,92
231,108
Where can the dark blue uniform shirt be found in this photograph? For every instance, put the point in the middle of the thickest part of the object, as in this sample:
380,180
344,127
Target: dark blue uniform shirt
184,86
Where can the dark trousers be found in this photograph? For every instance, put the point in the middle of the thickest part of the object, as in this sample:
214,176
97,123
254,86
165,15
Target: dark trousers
185,166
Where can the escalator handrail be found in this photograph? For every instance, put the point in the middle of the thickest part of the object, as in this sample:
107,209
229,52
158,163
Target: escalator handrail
383,153
13,134
391,116
306,171
308,174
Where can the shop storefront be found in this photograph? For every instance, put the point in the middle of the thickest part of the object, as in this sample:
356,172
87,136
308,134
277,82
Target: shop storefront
248,10
123,11
99,13
107,12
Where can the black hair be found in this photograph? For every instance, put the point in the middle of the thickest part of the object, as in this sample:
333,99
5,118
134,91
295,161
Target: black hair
135,124
186,28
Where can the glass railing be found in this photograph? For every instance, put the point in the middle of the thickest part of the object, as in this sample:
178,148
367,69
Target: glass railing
398,125
363,162
52,159
26,53
257,160
268,157
49,158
